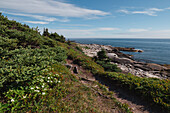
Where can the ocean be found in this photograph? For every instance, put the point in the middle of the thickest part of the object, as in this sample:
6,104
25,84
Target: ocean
155,50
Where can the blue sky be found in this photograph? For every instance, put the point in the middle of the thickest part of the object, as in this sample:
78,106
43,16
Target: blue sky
94,18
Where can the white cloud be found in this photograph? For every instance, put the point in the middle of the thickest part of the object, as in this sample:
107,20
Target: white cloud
108,29
36,22
44,18
150,11
77,25
144,34
137,30
155,9
82,32
124,11
96,33
50,8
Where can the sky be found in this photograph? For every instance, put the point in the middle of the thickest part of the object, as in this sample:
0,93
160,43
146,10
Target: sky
93,18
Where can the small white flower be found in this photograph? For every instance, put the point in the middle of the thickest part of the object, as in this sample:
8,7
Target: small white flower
42,86
48,77
37,91
48,81
24,96
59,81
32,88
37,87
43,93
12,100
51,81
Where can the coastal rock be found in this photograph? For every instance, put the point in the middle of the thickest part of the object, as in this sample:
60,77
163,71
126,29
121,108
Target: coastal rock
126,63
111,55
140,51
122,60
156,67
128,49
75,70
141,67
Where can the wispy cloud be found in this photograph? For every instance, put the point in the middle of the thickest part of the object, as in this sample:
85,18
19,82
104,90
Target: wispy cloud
108,29
82,32
50,8
137,30
130,33
123,11
36,22
150,11
44,18
76,25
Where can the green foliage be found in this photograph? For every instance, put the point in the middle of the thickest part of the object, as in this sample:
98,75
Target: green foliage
27,73
25,76
84,61
108,66
46,33
102,54
154,90
104,61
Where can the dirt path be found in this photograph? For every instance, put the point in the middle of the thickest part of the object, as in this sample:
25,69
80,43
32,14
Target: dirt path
135,103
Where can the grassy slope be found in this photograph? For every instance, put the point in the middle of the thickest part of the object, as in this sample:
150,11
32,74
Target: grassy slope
33,78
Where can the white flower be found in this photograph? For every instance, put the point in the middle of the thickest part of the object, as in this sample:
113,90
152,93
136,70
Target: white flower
12,100
59,81
48,81
36,90
32,88
37,87
48,77
43,93
42,86
51,81
24,96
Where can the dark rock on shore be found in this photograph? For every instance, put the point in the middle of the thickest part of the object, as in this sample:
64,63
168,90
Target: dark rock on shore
156,67
128,49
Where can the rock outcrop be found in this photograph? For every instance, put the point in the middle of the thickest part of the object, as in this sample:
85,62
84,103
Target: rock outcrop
126,63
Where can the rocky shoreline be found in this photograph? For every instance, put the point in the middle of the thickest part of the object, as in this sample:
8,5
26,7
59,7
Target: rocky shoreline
126,63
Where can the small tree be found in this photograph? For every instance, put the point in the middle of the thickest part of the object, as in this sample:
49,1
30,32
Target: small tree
46,33
102,54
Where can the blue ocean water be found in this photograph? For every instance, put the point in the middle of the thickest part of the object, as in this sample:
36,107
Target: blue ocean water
155,50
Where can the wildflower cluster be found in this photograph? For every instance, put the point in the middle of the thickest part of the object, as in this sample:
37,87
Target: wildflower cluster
38,88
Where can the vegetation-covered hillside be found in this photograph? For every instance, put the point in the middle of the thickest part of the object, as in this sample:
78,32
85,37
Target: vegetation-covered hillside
33,77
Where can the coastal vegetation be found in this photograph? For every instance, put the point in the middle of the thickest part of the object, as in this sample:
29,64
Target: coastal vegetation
33,76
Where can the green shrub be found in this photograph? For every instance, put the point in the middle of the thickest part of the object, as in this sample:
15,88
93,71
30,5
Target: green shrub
108,66
154,90
102,54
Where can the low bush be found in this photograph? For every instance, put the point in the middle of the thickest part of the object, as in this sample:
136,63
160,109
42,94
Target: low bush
154,90
108,66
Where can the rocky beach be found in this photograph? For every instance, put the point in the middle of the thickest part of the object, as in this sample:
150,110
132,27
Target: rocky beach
126,62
